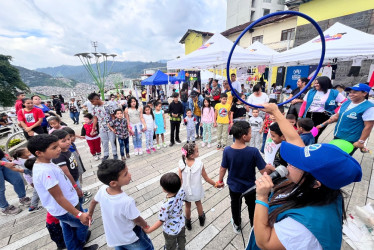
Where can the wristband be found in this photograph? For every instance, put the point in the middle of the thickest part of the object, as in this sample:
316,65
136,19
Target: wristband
147,226
2,163
361,141
262,203
75,185
79,215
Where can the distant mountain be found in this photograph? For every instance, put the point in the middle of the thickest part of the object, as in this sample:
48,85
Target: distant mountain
79,73
34,78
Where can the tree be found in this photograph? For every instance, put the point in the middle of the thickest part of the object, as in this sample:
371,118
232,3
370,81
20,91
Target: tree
10,82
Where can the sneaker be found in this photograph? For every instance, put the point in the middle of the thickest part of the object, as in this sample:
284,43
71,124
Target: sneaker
34,209
25,201
223,146
178,141
171,144
97,157
115,157
148,151
140,151
203,144
188,224
86,201
105,158
202,219
127,156
92,247
164,145
236,228
153,149
87,194
136,151
158,146
218,146
123,158
10,210
197,137
209,145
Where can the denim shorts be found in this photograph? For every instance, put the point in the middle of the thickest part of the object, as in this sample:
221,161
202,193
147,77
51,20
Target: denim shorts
143,243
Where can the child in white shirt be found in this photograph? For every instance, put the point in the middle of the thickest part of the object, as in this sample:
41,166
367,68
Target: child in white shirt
123,224
151,127
256,129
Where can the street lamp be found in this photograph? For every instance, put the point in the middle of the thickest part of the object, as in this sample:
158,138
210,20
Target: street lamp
96,65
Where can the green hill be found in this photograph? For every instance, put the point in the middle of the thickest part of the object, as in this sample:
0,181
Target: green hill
34,78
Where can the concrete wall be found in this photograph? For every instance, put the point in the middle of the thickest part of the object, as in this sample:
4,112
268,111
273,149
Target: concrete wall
193,42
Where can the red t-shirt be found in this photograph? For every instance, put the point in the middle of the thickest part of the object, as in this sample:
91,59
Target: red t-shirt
18,105
30,117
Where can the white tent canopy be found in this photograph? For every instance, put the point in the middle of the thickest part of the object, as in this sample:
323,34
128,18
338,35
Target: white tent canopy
342,42
258,48
214,53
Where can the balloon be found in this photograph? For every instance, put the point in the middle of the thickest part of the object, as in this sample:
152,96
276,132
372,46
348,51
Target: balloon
344,145
314,131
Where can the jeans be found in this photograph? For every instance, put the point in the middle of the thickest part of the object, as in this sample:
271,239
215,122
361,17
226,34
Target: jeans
75,117
81,199
107,137
264,136
74,231
236,206
198,119
174,127
207,132
124,144
185,107
137,137
143,243
13,178
149,138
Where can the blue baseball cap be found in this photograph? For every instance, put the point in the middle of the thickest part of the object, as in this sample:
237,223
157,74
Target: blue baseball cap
330,165
359,87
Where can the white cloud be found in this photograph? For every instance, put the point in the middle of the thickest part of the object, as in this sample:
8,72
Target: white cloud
44,33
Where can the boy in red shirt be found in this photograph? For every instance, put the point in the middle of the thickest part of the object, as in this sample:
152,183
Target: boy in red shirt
18,106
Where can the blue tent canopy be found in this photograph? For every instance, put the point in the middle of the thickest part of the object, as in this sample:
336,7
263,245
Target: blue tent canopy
180,77
158,78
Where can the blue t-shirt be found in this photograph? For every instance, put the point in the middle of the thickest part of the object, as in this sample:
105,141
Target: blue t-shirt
308,139
241,164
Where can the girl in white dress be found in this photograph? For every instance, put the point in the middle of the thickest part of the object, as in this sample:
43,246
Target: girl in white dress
190,171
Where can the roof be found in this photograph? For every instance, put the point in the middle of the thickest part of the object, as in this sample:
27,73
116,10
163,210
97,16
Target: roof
291,3
241,27
203,33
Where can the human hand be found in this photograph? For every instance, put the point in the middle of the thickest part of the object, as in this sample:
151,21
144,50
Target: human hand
319,127
269,168
293,101
359,145
8,157
219,184
215,124
30,133
263,186
85,219
79,192
147,229
28,129
92,132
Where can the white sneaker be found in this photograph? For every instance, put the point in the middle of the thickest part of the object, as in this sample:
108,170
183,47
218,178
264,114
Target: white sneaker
236,228
164,145
97,157
140,151
158,146
208,145
136,151
202,144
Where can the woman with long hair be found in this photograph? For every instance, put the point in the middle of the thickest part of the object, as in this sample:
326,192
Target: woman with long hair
306,211
320,102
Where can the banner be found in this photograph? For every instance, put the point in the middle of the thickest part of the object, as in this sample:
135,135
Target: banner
294,73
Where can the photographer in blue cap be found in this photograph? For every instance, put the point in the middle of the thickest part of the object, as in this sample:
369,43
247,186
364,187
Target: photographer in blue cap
355,118
306,211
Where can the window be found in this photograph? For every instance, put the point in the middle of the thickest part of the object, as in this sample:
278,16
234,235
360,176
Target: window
257,38
253,3
280,2
267,1
266,11
252,15
288,34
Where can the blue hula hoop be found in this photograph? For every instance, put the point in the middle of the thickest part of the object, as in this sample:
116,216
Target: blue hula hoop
287,12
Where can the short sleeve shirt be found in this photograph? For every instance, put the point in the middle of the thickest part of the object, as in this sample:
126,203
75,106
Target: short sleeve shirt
30,117
368,115
238,110
241,165
103,113
120,126
223,113
171,213
319,100
68,159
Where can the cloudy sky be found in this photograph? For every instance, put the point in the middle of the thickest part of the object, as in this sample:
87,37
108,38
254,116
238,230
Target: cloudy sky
42,33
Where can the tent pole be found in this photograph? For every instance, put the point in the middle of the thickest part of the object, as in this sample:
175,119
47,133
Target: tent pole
269,78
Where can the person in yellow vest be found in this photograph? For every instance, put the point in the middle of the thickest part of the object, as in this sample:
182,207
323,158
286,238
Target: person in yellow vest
195,103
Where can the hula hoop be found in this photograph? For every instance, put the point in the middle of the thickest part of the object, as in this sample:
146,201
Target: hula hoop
287,12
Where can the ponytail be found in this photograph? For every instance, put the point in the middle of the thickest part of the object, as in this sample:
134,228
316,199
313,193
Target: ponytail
187,150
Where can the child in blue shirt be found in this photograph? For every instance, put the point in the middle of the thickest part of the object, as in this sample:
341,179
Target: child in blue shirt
304,126
241,162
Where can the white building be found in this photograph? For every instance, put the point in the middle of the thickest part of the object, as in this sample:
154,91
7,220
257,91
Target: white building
242,11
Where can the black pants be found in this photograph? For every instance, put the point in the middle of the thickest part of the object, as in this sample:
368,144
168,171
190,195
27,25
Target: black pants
58,111
318,118
236,206
39,130
294,109
55,231
174,127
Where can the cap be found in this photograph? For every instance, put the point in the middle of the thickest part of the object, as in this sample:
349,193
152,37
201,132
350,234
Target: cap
359,87
330,165
175,95
194,94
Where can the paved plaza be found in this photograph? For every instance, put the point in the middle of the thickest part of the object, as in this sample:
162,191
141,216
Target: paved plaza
28,231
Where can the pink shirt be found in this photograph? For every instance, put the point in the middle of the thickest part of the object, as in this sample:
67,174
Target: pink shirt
207,115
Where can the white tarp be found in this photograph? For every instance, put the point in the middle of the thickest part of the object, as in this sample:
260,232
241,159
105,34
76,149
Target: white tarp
258,48
342,42
214,53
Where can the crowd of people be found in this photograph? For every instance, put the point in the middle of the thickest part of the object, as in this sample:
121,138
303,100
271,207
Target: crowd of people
52,165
